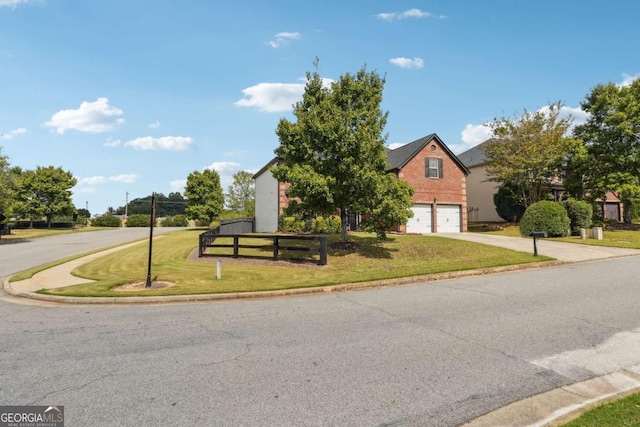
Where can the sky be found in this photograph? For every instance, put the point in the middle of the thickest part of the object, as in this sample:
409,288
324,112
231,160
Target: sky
131,96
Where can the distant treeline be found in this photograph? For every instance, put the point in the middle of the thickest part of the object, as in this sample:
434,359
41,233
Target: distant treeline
170,205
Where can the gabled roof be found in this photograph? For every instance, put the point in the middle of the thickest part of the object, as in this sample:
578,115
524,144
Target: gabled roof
474,156
265,167
399,157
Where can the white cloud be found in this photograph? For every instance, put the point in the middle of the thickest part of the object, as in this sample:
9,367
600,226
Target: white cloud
110,142
97,116
170,143
475,134
123,178
411,13
12,3
627,79
415,63
274,97
223,167
154,125
579,116
178,185
283,38
14,132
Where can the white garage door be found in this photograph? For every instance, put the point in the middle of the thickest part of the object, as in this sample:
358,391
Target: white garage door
421,220
448,218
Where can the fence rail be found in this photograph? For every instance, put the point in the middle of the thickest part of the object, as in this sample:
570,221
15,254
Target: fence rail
278,243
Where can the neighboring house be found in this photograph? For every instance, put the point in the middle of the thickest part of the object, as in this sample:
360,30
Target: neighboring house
480,191
436,174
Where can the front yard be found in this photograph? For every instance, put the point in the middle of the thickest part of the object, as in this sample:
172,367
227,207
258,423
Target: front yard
398,257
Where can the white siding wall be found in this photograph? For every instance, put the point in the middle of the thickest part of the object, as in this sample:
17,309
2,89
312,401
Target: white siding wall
266,203
480,207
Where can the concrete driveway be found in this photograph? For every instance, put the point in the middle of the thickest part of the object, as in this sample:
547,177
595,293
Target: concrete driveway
567,252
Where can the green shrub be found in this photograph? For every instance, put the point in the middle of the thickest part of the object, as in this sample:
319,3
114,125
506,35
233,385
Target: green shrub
139,220
545,216
180,221
319,225
580,214
175,221
291,224
107,220
334,224
509,205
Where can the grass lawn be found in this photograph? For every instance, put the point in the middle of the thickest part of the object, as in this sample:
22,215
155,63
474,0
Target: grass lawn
400,256
623,412
616,238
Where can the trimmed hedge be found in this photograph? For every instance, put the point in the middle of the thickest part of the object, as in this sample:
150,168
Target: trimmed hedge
106,221
580,214
175,221
546,216
139,220
326,225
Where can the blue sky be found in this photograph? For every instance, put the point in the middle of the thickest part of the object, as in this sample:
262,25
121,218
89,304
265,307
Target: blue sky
133,95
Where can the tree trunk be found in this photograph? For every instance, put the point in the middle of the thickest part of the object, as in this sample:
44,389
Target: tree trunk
343,221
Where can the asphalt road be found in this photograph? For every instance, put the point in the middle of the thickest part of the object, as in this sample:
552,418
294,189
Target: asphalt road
433,354
18,256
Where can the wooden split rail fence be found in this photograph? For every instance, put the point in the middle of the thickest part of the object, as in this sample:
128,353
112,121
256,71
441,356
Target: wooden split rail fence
278,243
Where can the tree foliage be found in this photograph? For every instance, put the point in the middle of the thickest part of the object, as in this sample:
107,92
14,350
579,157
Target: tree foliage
611,136
508,202
529,152
43,192
205,199
6,183
334,156
241,196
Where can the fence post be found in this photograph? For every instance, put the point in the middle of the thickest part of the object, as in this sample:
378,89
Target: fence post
200,245
276,249
235,246
323,251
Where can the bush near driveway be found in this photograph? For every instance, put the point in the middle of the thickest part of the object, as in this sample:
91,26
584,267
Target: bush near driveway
545,216
580,214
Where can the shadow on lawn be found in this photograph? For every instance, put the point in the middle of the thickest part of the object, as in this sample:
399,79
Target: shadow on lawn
367,247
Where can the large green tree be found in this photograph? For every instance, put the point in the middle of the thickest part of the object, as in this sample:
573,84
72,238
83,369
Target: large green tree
6,184
333,155
43,192
241,196
205,199
530,151
611,136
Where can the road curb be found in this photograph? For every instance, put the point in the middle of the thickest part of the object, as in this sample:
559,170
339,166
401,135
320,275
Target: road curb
561,405
126,300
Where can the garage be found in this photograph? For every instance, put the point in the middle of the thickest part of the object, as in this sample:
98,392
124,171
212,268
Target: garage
448,217
420,223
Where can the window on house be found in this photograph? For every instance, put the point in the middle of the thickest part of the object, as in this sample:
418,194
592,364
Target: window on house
433,166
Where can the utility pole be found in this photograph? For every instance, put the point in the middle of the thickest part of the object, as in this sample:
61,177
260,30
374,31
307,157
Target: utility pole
126,205
153,220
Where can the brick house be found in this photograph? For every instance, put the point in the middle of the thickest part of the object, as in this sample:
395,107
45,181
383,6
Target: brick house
436,174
